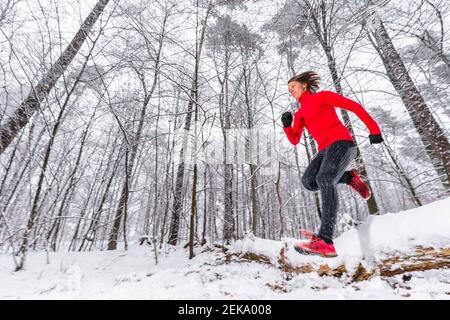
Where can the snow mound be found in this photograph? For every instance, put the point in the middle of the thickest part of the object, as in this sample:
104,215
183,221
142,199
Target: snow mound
378,238
253,268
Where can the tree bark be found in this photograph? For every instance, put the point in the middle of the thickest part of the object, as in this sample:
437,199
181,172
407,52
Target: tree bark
21,116
433,137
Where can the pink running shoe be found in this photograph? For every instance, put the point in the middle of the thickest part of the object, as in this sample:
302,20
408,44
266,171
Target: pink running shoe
317,246
359,186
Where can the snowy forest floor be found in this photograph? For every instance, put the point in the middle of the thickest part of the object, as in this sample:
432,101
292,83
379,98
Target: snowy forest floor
395,256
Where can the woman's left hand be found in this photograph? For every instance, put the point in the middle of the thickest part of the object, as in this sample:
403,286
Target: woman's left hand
375,138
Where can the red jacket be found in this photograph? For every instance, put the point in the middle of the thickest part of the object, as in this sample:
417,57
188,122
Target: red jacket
317,114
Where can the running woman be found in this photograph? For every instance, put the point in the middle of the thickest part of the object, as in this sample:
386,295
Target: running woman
337,149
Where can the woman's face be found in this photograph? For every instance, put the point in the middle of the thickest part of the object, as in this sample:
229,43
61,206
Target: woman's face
296,89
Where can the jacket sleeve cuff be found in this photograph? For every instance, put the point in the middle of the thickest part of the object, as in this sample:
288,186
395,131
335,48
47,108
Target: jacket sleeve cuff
288,130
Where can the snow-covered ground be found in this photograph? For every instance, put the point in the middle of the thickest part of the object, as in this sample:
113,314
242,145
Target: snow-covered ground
133,274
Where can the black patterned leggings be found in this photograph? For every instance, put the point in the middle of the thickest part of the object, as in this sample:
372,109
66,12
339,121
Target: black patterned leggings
325,171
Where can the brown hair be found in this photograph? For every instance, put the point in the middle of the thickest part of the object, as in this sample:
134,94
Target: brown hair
310,78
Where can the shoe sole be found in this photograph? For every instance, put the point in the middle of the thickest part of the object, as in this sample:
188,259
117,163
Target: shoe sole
310,253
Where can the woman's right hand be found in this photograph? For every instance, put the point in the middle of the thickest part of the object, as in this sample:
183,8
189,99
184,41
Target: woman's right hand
287,118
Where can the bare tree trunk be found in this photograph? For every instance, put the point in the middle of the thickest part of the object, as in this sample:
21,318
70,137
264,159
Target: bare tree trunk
123,202
167,189
192,227
236,204
193,214
281,214
31,104
205,206
155,215
433,137
228,223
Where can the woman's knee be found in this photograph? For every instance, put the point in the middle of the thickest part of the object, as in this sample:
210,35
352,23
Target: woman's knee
324,179
309,183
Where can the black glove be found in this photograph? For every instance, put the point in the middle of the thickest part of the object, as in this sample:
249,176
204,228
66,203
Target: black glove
286,118
375,138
